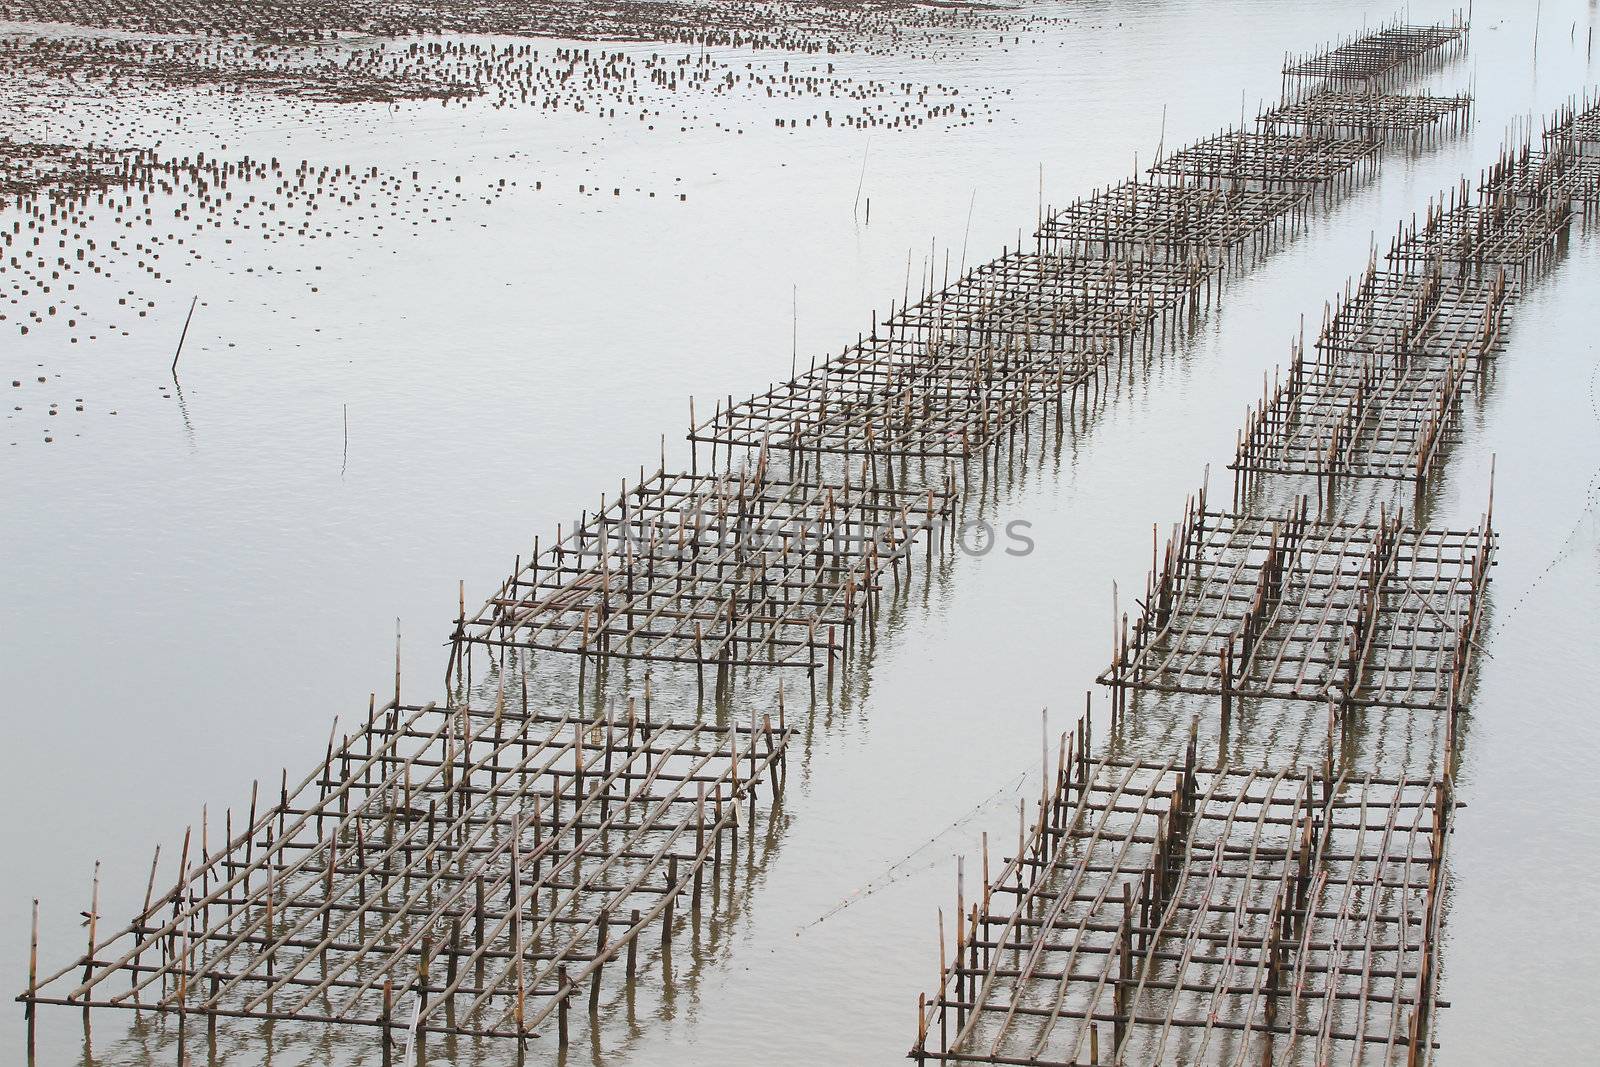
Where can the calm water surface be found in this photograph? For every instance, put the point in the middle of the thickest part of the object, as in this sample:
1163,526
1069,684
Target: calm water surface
191,589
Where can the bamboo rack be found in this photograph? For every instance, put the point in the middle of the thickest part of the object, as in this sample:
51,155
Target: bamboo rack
913,391
1273,160
952,371
444,870
1401,351
1170,220
717,571
1377,59
1297,608
1529,178
478,871
1158,911
1576,128
1366,113
1478,241
1381,397
1162,912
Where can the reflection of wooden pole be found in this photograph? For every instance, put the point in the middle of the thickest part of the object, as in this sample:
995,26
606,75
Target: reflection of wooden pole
183,996
33,982
1227,688
1124,970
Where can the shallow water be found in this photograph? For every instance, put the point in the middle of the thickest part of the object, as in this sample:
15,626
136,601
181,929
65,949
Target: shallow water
194,587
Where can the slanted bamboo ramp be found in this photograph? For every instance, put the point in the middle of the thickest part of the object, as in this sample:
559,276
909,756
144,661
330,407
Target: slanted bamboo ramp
445,870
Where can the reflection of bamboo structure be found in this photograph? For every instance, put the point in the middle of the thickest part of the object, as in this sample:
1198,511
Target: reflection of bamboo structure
1163,912
445,870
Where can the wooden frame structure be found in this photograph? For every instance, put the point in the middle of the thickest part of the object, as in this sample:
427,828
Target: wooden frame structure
1479,241
1397,355
1163,913
443,870
956,370
1529,178
910,392
1157,912
717,570
1175,221
1381,397
1377,59
1288,607
1272,160
1576,128
471,871
954,373
1080,298
1364,112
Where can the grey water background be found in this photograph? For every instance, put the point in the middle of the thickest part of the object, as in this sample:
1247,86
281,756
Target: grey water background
188,595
